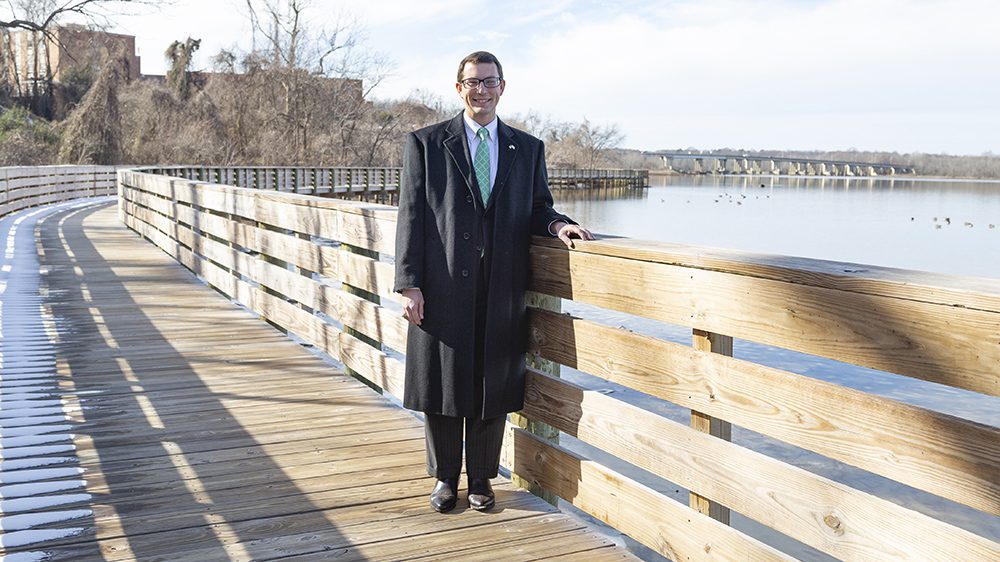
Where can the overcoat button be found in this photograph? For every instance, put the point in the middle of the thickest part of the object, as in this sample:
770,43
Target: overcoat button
465,273
466,236
468,199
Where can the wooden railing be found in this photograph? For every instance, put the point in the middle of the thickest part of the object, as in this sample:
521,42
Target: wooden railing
22,187
374,185
293,260
572,178
343,182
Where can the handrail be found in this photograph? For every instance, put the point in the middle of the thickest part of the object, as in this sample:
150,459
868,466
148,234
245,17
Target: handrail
22,187
597,177
284,256
375,185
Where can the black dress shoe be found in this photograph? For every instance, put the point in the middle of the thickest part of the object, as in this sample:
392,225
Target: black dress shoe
481,497
445,495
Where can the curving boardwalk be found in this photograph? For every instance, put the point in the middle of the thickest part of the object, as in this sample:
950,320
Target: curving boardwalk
144,416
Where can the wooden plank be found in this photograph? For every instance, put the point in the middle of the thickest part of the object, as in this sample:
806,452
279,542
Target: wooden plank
301,213
942,454
944,344
374,365
154,404
156,492
257,538
463,545
372,320
27,202
365,273
938,288
406,449
237,507
346,441
826,515
311,423
647,516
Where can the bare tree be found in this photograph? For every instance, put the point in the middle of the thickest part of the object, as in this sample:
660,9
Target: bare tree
315,78
596,140
94,130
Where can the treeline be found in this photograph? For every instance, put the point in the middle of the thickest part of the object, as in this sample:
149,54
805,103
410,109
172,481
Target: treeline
255,115
258,108
986,166
300,97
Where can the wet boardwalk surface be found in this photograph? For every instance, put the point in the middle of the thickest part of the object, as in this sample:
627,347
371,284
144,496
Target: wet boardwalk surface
146,417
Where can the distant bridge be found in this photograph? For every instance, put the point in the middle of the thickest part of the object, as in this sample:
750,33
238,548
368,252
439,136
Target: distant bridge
697,163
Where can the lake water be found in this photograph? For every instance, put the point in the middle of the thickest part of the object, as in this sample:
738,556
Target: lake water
879,221
913,223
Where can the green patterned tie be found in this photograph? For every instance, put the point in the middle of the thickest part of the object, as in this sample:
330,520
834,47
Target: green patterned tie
482,165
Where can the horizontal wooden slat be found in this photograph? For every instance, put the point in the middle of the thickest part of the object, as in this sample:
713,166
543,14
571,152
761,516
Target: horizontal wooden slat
279,245
358,271
942,454
372,364
370,319
670,528
28,202
944,344
967,292
824,514
366,273
369,226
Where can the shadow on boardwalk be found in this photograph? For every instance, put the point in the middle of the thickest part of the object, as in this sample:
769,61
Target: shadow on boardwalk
204,434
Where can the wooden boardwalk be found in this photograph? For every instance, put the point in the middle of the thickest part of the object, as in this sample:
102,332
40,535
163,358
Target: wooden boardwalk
158,421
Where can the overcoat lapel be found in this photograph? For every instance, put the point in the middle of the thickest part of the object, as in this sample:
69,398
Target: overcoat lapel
507,153
458,148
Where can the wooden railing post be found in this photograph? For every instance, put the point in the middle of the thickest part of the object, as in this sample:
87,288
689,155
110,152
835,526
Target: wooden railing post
723,345
543,430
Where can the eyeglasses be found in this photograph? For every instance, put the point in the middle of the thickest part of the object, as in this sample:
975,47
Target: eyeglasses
473,83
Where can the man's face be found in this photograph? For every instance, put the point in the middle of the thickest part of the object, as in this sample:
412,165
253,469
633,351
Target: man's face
480,102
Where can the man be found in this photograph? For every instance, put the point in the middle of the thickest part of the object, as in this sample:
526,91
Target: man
473,192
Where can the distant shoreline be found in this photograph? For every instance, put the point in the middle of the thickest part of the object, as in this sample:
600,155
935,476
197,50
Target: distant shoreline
917,177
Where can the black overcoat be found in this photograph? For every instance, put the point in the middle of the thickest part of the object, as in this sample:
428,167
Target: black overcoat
442,233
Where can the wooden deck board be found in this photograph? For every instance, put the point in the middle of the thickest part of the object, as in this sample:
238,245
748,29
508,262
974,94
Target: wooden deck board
201,433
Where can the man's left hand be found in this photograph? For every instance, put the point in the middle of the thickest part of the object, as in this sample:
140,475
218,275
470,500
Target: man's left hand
568,232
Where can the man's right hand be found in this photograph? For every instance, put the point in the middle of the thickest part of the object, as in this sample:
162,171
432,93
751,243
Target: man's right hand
413,305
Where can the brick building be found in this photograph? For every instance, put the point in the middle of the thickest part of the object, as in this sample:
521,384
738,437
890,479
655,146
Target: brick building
71,51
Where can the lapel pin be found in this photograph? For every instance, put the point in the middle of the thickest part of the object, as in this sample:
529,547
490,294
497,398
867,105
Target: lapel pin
511,147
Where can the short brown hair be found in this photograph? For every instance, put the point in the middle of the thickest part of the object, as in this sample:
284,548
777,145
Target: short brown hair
479,57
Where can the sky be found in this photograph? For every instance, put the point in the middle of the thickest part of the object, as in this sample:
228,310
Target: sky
893,75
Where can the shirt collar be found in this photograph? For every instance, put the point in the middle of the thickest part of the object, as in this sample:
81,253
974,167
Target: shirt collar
472,128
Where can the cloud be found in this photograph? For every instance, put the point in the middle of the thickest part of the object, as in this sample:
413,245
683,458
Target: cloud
780,65
559,10
392,12
707,73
